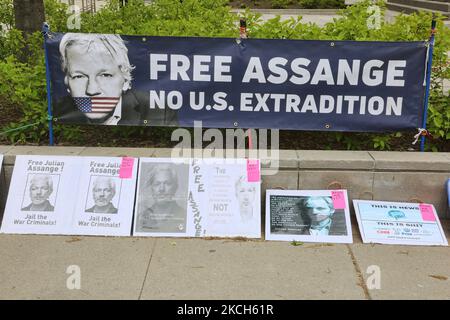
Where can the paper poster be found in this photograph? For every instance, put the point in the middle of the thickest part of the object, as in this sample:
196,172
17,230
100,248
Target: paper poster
399,223
308,216
162,197
233,202
41,195
69,195
105,200
196,198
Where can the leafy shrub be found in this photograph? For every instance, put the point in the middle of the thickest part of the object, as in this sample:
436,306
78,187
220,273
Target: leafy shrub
25,81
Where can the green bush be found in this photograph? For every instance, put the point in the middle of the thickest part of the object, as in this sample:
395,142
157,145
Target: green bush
25,81
6,15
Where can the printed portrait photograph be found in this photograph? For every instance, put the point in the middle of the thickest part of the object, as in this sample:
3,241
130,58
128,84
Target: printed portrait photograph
103,195
97,78
163,193
306,215
40,192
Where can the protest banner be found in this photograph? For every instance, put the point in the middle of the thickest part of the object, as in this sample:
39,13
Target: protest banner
237,83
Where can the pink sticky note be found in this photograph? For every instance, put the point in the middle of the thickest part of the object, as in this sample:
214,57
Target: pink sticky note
253,174
338,199
126,168
426,210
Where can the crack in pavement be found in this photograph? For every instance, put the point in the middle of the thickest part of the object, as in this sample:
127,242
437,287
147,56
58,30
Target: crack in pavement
148,268
359,274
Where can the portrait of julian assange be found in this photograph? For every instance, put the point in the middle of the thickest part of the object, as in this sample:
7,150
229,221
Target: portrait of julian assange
163,198
318,216
98,80
103,193
39,189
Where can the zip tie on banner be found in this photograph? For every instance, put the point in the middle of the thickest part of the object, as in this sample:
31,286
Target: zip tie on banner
422,132
45,29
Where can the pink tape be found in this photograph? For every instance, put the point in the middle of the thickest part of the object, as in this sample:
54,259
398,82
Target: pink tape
126,168
427,212
338,199
253,174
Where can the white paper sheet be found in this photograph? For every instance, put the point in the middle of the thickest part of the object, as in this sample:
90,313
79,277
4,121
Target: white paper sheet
55,194
105,201
308,216
41,195
196,198
398,223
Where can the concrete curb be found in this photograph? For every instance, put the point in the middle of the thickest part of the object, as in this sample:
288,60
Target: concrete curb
371,175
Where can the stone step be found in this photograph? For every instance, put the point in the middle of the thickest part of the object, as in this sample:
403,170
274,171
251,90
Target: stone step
433,5
412,9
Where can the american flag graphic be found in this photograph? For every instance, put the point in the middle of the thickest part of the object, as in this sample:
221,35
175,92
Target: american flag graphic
96,104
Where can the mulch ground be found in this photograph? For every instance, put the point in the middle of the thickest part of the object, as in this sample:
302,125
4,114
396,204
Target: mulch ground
160,137
104,136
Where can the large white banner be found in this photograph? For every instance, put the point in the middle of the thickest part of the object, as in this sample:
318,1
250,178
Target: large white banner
197,198
399,223
69,195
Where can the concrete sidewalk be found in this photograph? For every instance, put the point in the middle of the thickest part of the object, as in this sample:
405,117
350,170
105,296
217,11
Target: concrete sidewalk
34,267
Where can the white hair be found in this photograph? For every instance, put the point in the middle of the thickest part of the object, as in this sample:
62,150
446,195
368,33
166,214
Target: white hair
40,177
161,168
113,44
109,181
240,181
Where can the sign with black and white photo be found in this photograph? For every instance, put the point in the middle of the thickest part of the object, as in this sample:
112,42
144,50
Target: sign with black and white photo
308,216
399,223
233,202
105,201
41,195
196,198
70,195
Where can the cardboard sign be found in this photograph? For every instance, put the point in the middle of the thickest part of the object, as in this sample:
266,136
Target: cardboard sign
308,216
69,195
399,223
196,198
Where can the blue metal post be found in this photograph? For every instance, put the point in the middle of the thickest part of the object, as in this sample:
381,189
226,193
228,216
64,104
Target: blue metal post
45,31
428,82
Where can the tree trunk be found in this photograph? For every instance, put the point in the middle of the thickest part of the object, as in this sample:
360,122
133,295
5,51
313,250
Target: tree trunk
29,15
